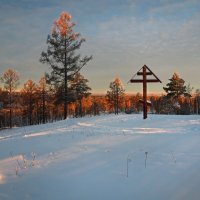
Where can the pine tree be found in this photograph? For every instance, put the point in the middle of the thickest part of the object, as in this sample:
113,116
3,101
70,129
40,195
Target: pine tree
61,56
176,88
11,80
115,96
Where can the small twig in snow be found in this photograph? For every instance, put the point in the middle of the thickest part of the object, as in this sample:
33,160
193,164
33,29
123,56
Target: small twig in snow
16,170
128,160
146,153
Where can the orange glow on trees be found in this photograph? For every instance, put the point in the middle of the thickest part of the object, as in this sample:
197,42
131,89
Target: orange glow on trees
62,26
116,96
29,96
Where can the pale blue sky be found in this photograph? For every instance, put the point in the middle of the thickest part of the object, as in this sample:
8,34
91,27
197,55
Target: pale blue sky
122,36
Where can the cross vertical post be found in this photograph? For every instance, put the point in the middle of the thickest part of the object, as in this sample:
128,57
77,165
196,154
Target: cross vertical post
144,92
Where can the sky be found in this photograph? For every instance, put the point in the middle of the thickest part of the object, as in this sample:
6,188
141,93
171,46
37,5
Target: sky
121,35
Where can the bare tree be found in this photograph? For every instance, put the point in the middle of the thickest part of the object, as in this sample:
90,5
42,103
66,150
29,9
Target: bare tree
10,79
42,89
29,96
115,96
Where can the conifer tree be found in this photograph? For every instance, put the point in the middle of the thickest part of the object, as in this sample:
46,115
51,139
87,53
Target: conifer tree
175,90
61,55
176,87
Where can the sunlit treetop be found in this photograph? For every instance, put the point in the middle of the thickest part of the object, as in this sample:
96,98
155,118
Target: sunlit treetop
63,26
118,81
176,76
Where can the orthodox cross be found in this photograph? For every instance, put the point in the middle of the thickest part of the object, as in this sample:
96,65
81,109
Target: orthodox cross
144,72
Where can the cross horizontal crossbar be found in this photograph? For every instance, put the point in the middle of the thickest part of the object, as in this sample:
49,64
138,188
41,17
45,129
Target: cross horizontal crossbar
147,73
141,81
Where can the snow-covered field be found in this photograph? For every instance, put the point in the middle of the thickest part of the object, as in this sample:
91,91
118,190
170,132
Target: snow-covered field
103,158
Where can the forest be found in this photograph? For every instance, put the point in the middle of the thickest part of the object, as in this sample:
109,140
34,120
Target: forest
65,92
38,103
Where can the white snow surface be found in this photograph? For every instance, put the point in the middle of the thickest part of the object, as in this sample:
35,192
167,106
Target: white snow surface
106,157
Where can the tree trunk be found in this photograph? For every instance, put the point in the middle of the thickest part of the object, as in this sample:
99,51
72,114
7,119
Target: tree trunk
10,121
197,105
117,106
10,101
43,107
65,84
30,110
80,108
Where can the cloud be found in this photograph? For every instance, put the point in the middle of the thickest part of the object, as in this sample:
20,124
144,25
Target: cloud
23,37
125,43
121,36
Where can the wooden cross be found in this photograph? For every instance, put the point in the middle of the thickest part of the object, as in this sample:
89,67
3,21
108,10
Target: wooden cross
144,72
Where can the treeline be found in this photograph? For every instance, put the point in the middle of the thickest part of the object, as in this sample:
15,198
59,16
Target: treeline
38,103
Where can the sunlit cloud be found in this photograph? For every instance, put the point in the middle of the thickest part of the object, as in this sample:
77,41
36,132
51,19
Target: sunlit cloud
2,178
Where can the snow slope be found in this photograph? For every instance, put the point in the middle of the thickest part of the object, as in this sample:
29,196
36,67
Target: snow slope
103,158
